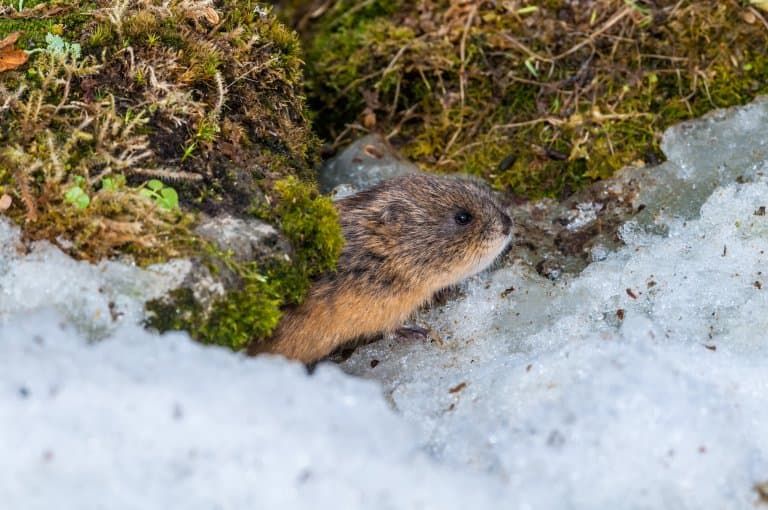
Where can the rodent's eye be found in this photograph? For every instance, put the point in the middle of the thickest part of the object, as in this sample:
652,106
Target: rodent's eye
462,218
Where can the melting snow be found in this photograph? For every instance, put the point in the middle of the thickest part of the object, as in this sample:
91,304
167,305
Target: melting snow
641,382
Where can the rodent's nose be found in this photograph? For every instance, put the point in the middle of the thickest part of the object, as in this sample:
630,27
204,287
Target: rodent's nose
506,223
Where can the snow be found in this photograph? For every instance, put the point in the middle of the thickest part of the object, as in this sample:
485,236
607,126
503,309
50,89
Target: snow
94,297
142,421
639,383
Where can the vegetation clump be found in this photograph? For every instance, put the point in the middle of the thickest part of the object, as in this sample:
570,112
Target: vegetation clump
133,118
538,97
310,223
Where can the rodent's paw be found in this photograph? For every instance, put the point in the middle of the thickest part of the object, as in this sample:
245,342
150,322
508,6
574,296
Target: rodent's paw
412,333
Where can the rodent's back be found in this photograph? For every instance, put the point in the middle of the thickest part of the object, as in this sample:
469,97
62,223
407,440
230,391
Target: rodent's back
405,239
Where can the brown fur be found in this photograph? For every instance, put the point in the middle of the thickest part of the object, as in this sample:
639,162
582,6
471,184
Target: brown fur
403,243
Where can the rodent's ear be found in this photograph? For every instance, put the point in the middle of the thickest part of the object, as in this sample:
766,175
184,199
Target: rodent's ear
392,214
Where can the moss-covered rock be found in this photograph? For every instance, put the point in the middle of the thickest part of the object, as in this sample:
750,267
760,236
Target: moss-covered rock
252,309
133,119
538,97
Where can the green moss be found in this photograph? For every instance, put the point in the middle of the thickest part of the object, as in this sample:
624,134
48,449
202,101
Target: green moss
310,222
541,102
176,312
181,66
252,310
67,19
206,97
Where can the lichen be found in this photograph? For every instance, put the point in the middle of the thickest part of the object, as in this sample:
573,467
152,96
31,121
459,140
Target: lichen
540,98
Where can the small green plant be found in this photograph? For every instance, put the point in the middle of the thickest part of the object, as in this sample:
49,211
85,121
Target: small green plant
76,195
207,131
164,196
112,183
152,39
188,150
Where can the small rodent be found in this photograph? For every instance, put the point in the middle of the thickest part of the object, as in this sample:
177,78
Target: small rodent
405,239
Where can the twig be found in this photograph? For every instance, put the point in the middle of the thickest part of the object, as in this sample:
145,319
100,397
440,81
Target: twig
551,120
168,175
606,26
221,94
759,16
22,178
462,81
394,60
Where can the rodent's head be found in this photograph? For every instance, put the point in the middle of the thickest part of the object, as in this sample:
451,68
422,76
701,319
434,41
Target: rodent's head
435,229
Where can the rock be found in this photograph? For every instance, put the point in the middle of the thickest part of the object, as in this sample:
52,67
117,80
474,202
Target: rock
367,161
247,239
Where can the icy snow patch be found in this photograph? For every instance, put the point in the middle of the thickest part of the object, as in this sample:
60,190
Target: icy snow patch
643,381
143,421
581,392
639,383
94,297
584,214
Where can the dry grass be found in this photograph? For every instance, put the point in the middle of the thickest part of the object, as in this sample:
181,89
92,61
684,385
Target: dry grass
538,97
